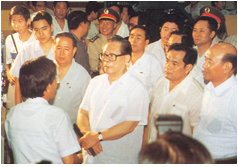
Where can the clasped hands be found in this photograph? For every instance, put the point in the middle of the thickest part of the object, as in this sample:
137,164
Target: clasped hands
90,139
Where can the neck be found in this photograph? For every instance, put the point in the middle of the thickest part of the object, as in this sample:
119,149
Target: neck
25,35
63,69
59,19
219,82
108,36
47,46
203,48
162,44
117,27
115,77
77,33
173,84
136,56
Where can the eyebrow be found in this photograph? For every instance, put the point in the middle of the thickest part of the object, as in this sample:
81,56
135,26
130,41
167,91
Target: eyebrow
41,27
136,35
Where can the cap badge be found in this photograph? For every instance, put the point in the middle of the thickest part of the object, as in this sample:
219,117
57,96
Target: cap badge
106,11
207,10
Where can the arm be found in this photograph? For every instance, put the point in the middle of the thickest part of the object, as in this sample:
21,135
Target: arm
113,133
71,159
146,130
10,77
18,96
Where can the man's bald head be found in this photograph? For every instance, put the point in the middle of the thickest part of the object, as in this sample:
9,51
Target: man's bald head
220,63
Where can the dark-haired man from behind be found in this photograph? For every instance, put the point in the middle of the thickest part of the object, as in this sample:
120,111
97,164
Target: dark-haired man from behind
78,26
36,130
217,127
42,29
177,92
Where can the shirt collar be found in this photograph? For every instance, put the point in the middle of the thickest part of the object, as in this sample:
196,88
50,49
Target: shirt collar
222,87
37,100
184,85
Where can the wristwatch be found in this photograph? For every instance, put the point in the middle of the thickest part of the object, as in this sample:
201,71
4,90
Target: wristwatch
100,137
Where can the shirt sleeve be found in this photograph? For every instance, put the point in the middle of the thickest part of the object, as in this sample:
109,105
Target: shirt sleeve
195,110
8,45
66,138
93,53
19,61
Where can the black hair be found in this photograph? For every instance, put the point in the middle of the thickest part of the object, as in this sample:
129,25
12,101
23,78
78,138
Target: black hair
175,148
190,56
125,44
172,19
35,76
186,39
66,34
212,23
115,4
143,28
92,6
41,15
67,3
35,2
75,18
232,58
19,10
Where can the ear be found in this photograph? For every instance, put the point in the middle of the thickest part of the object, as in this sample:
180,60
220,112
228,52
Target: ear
212,34
74,50
114,26
227,67
53,8
127,58
52,27
147,42
28,22
188,68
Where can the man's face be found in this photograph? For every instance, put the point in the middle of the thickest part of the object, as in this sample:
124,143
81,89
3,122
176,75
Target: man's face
213,65
60,10
132,22
118,67
166,30
201,33
106,27
40,5
220,5
53,89
174,38
174,69
19,24
137,40
124,15
64,51
42,31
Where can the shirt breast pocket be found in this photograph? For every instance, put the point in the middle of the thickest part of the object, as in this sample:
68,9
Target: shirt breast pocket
179,109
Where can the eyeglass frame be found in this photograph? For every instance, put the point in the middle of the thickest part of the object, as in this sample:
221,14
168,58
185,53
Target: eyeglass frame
100,56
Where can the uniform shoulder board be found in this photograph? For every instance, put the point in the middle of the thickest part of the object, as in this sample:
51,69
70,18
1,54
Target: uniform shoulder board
94,38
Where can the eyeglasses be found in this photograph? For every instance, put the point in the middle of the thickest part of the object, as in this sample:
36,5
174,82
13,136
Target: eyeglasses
111,56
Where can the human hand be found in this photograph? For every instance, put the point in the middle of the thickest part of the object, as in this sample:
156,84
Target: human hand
97,149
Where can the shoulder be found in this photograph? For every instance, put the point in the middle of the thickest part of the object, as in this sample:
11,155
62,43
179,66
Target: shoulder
154,44
151,57
80,69
95,38
196,87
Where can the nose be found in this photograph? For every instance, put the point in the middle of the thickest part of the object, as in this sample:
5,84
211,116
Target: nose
167,65
41,32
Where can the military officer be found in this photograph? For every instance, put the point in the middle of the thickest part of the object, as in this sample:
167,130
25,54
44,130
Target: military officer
107,23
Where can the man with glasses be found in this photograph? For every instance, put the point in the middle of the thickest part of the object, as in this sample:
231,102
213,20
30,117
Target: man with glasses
144,65
114,109
74,79
107,23
79,25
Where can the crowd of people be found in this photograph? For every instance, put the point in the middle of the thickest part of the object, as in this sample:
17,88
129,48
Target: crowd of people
112,82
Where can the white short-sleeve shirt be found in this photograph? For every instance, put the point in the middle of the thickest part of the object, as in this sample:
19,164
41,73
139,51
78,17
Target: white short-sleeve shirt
57,27
38,131
108,105
31,51
217,127
123,30
157,50
92,32
10,48
196,11
184,100
148,70
71,90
